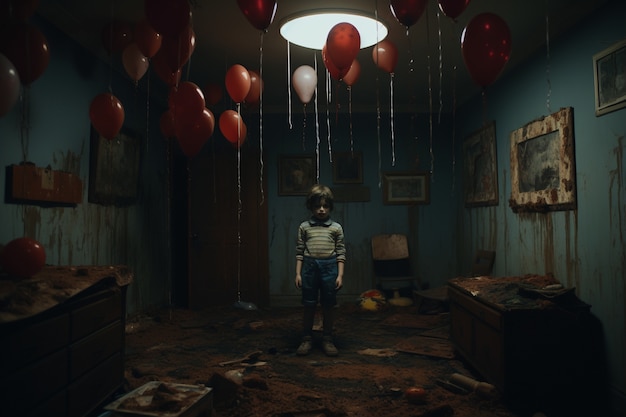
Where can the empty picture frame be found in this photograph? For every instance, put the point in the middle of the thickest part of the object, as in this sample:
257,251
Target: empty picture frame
480,169
543,173
609,75
407,188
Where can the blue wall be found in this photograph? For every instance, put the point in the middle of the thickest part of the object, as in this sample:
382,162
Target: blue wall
584,248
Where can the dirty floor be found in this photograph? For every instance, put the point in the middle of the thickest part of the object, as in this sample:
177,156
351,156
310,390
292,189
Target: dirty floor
248,357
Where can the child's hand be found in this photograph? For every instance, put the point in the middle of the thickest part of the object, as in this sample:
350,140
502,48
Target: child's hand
339,282
298,281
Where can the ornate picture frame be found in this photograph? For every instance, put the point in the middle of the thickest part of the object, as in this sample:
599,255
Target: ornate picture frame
348,167
609,72
480,167
543,174
406,188
296,174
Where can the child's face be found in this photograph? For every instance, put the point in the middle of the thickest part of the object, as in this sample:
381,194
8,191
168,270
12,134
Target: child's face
321,210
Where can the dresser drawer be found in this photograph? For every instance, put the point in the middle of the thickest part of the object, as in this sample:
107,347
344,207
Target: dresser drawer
23,345
91,317
92,389
24,390
478,309
90,351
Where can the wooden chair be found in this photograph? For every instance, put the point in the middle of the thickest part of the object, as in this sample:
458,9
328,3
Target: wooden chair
392,262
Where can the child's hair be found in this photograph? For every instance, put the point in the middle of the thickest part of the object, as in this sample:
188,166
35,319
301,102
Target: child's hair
316,194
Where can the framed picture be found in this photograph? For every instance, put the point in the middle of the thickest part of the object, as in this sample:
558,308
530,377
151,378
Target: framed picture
543,174
480,170
348,167
296,174
609,73
406,188
114,168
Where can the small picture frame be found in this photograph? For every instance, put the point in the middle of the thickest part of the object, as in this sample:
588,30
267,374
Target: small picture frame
543,173
114,168
348,167
406,188
480,172
296,174
609,73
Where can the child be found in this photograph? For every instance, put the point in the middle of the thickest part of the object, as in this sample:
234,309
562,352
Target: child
320,258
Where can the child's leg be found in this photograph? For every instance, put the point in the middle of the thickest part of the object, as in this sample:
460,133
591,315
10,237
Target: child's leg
307,320
329,320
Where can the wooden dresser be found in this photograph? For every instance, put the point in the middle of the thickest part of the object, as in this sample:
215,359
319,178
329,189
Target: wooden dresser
62,340
525,340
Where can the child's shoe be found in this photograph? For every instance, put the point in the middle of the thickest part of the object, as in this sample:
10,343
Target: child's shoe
329,347
305,346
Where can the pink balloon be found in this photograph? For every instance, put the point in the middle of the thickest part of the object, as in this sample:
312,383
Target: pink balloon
304,81
385,55
9,85
135,63
353,73
238,82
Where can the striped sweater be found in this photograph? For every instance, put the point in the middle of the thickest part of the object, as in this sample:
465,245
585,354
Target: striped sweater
320,240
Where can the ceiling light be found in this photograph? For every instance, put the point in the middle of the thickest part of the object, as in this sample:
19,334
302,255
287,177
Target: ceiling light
310,29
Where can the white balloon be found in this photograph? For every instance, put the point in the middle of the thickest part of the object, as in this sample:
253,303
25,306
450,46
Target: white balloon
304,82
135,63
9,85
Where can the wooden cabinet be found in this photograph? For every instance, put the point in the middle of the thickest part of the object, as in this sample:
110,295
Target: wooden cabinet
530,348
66,360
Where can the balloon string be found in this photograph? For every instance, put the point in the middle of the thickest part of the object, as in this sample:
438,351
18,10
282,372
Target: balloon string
261,120
393,137
440,66
350,113
453,124
548,62
328,100
25,121
239,204
304,126
430,103
147,111
289,82
380,174
317,130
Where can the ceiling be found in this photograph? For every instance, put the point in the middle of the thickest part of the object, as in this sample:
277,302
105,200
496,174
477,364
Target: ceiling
436,79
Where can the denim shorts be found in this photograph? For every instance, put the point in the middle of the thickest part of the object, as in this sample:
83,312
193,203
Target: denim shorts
319,278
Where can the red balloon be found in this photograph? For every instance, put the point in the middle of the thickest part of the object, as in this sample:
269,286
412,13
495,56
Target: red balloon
385,55
168,17
453,8
193,135
187,98
23,257
213,93
335,73
107,115
164,72
486,46
166,123
260,13
177,50
256,87
116,36
232,127
408,12
147,39
27,48
342,45
9,85
238,82
353,73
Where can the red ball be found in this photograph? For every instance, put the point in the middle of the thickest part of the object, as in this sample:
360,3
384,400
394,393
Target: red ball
23,257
